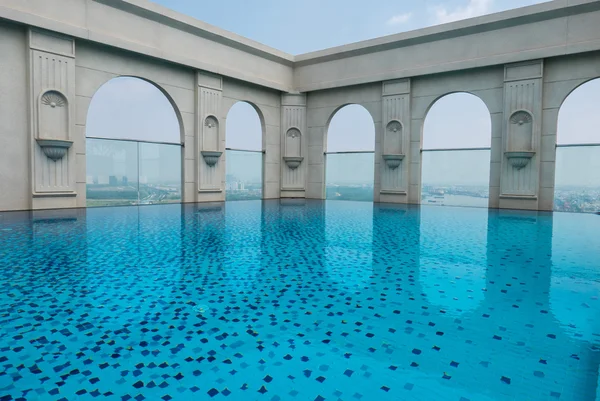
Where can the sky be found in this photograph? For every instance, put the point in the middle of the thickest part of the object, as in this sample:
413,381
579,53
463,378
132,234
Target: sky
130,108
279,24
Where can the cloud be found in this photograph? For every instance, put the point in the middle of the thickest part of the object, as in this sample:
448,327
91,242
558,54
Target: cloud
399,19
473,9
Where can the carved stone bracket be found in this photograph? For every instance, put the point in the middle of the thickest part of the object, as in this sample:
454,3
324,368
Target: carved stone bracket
393,161
211,157
519,159
54,149
293,162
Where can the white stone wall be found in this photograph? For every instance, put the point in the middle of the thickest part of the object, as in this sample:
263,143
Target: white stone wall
151,30
549,29
15,170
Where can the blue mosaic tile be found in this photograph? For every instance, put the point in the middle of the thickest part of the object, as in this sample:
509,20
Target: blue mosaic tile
309,301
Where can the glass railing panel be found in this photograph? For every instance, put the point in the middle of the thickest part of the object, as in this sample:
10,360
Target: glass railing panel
243,180
350,176
577,180
112,172
455,177
160,173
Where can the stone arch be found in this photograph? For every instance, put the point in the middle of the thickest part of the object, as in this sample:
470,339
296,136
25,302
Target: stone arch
335,112
456,163
259,112
571,87
352,167
110,159
245,154
593,84
435,101
165,93
576,163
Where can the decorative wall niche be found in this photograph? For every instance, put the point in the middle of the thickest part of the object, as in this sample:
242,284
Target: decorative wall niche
209,137
210,152
53,124
293,148
395,140
393,153
520,139
521,135
52,85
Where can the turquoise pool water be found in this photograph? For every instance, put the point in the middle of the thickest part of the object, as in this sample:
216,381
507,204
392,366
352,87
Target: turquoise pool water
292,300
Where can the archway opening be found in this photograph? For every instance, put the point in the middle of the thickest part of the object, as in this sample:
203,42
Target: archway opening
457,137
577,179
133,145
244,153
350,155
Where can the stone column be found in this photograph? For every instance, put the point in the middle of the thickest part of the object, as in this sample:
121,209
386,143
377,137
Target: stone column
294,145
396,142
210,138
521,135
54,166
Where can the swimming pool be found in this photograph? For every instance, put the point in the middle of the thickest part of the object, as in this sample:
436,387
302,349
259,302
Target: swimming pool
299,300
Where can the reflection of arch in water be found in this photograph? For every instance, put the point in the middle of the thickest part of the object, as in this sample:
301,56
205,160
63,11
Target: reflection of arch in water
242,240
396,250
575,282
348,253
452,262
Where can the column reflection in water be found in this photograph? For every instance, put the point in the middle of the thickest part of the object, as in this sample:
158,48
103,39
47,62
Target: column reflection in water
112,172
456,178
577,183
59,247
349,176
243,180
